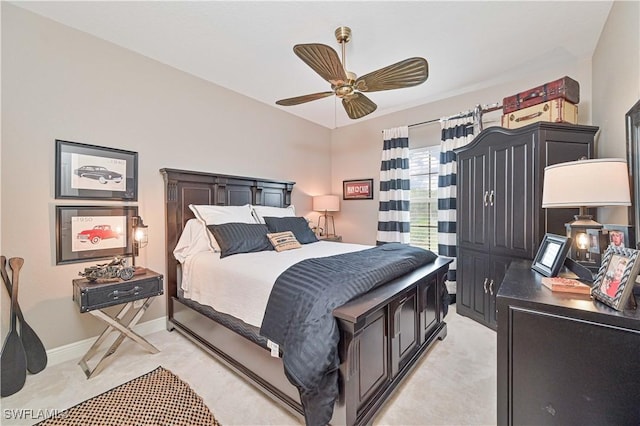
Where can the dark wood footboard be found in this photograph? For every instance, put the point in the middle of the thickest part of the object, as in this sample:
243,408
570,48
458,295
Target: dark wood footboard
383,333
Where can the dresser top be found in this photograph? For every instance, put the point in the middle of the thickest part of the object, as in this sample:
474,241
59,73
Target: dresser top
523,286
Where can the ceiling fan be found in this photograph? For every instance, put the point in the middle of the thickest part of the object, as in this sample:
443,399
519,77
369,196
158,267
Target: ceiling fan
346,85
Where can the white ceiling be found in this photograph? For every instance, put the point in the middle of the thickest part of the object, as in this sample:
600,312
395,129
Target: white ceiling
247,46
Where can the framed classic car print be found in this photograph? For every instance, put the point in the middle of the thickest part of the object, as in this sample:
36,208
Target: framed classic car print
93,172
93,232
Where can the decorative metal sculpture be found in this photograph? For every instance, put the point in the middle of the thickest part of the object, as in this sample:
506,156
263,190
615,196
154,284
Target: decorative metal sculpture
117,268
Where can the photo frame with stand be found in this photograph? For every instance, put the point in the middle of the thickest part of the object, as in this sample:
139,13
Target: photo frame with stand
551,254
614,283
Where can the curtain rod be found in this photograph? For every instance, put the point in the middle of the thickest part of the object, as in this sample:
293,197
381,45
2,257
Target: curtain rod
479,109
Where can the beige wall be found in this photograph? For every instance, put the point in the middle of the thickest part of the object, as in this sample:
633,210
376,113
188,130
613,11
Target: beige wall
357,149
59,83
616,85
609,86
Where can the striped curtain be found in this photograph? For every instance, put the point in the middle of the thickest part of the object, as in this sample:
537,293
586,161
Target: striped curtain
455,134
393,215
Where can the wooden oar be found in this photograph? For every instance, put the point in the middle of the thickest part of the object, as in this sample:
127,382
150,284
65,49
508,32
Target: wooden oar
33,347
13,361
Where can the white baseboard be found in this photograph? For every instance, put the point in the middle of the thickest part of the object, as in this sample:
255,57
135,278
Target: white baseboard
78,349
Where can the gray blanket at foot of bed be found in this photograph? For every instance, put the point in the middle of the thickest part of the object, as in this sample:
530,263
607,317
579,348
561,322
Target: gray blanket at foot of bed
299,315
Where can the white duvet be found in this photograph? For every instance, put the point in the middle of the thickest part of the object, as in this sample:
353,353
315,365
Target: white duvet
240,284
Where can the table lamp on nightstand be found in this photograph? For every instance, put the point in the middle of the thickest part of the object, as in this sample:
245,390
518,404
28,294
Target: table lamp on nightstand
585,183
326,203
140,239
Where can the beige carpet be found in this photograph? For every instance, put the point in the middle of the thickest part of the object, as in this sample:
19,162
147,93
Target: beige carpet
156,398
454,385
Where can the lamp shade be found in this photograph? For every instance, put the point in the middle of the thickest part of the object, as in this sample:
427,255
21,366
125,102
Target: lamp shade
586,183
330,203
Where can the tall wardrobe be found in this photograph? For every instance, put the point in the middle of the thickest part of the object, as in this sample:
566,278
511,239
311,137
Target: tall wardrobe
499,197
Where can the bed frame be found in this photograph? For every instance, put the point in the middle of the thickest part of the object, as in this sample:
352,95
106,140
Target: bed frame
384,333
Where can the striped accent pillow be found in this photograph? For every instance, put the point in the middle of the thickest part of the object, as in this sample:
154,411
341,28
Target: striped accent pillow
298,225
283,241
237,238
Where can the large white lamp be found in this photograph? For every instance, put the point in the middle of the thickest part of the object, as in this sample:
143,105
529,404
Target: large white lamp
585,183
326,203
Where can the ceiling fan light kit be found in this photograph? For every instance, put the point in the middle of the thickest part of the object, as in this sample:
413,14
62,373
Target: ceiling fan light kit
346,85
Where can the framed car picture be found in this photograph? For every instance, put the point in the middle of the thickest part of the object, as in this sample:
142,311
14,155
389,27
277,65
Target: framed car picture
93,232
93,172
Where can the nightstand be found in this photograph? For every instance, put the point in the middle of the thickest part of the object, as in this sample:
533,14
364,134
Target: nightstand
136,293
335,238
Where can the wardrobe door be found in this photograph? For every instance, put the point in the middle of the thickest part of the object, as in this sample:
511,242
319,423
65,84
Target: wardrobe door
473,201
512,197
473,282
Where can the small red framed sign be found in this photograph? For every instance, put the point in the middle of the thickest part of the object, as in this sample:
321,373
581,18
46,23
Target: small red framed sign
360,189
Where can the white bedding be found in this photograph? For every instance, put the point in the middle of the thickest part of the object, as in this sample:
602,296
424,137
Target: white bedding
240,285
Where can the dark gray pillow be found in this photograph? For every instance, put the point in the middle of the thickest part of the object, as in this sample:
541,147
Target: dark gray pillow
235,238
298,225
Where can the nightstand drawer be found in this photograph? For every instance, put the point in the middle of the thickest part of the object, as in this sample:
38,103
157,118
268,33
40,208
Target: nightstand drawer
97,296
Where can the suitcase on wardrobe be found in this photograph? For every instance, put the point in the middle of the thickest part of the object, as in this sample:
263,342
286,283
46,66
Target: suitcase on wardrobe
555,111
565,88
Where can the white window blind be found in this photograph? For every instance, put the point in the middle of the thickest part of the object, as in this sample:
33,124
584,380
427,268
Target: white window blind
423,163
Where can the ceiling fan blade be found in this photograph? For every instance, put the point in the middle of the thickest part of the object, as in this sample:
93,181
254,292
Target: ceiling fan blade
323,60
358,105
302,99
407,73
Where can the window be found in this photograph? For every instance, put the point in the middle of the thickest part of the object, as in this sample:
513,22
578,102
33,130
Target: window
423,164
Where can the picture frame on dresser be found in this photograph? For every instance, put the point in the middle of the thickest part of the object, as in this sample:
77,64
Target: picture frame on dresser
84,171
551,254
620,235
615,279
93,232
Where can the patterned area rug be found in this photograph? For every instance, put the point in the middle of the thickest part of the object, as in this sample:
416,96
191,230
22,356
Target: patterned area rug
156,398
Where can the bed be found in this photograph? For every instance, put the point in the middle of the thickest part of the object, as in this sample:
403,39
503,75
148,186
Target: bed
383,333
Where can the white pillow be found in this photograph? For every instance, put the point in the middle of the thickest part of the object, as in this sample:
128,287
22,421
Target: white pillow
260,212
217,215
192,240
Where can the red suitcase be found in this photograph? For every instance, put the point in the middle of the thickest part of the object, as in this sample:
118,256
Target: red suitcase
564,87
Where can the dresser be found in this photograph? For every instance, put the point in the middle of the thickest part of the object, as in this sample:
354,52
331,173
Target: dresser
499,198
564,359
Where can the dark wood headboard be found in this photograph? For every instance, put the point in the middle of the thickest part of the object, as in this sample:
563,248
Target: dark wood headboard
184,187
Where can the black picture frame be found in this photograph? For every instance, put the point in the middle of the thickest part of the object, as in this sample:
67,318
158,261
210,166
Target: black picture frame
93,172
615,280
551,254
632,124
357,189
97,224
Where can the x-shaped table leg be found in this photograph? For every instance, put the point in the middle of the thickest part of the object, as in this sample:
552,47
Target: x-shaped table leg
125,329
